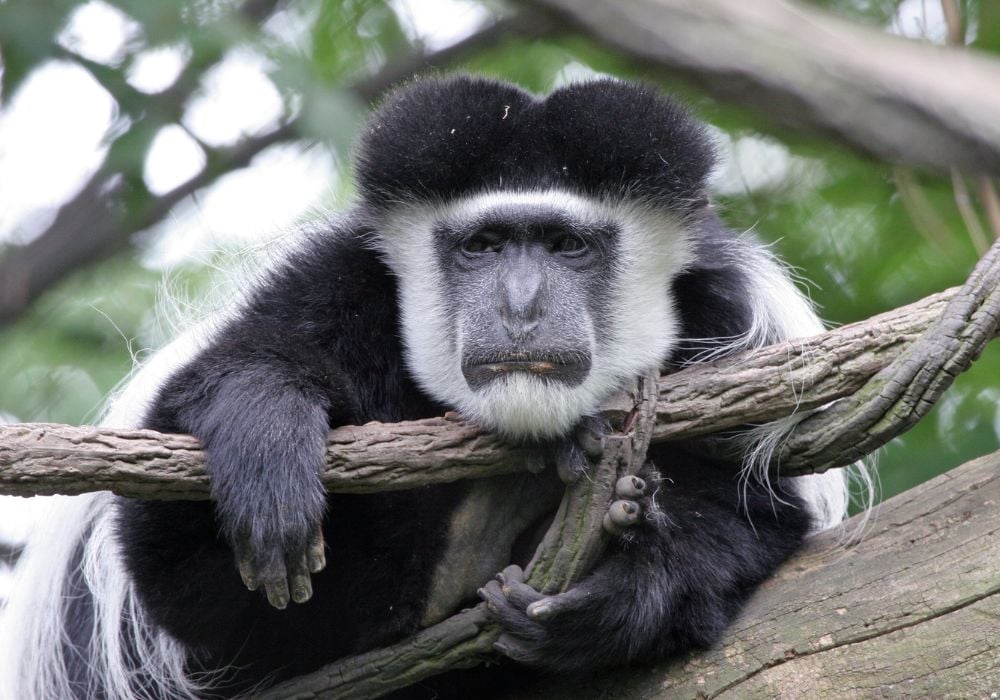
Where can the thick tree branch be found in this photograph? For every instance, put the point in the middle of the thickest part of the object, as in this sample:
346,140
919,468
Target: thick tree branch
754,387
909,611
900,100
37,458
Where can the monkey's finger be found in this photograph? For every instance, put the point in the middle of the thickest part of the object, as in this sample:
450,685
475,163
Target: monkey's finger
506,613
298,577
277,593
271,571
513,648
245,564
550,606
534,462
630,487
621,515
590,437
247,573
520,594
316,551
512,572
493,596
571,463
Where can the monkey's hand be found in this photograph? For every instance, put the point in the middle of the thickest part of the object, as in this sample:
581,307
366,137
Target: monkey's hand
278,569
266,445
273,520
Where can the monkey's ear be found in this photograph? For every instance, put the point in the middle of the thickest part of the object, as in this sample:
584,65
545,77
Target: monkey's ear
443,137
610,133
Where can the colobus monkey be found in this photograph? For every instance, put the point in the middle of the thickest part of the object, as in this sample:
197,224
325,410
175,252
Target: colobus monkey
512,257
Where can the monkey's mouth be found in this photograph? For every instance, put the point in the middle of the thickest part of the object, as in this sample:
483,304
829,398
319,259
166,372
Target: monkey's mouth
570,369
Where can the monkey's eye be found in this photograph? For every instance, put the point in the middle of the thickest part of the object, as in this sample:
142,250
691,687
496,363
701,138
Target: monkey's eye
481,243
568,244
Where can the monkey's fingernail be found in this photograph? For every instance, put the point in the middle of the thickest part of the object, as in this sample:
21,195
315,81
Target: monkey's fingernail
623,513
246,573
301,589
535,463
540,610
630,487
277,594
590,442
316,561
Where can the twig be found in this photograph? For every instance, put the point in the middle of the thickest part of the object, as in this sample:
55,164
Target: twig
991,203
968,212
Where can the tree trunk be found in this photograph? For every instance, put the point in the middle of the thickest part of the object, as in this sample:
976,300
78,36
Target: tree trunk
912,610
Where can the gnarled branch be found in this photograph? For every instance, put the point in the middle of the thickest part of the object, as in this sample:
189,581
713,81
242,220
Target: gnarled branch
753,387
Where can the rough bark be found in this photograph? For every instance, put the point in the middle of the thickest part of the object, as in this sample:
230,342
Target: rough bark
900,100
911,610
43,459
748,388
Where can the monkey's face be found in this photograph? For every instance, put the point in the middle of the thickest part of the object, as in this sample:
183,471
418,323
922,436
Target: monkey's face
525,310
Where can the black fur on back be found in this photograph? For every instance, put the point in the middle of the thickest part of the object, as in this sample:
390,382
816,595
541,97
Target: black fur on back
447,137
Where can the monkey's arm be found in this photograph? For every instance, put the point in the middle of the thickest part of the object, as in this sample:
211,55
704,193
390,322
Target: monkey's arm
306,351
263,421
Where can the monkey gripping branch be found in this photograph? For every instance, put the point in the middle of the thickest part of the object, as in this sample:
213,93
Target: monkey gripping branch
883,374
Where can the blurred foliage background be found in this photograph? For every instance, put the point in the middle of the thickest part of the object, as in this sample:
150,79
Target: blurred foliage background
217,126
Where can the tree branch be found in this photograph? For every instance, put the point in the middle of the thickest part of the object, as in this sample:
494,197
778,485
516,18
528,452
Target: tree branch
95,224
900,100
38,458
909,611
569,549
898,396
753,387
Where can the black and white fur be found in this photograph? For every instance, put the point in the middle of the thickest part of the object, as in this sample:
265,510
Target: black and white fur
372,318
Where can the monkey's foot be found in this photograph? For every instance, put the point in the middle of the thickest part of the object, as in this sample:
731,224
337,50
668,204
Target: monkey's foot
285,575
559,631
544,631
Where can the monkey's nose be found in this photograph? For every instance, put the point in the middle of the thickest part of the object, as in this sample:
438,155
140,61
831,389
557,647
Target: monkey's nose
519,328
522,288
